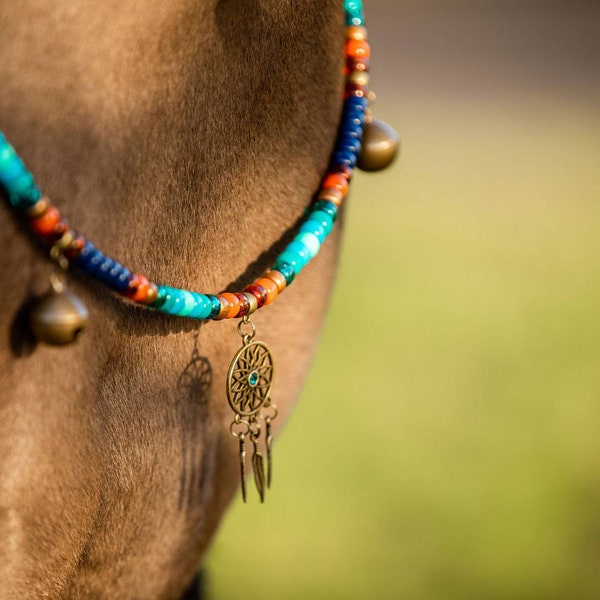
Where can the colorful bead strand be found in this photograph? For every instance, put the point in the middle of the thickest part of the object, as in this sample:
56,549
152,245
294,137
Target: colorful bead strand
47,222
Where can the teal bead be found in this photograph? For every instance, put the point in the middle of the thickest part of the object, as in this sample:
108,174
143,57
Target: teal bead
25,200
354,12
20,184
202,308
172,303
311,241
7,152
215,306
323,219
161,297
286,270
326,206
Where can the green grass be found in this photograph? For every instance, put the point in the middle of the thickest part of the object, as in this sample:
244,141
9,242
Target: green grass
446,444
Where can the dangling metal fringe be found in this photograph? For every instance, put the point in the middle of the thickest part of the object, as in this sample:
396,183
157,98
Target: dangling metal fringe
249,384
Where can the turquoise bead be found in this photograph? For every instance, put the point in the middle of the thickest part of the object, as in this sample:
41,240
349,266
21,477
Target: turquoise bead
189,303
202,308
296,254
20,184
314,227
324,219
311,241
11,169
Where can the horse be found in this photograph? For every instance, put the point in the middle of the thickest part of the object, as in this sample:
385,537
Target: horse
186,137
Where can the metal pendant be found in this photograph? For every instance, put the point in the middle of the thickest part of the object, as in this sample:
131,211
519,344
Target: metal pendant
58,317
249,384
380,146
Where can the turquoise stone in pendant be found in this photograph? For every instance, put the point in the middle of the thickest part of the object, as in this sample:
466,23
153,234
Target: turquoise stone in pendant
253,378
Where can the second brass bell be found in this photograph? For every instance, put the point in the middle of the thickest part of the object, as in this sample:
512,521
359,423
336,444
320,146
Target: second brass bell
58,317
380,146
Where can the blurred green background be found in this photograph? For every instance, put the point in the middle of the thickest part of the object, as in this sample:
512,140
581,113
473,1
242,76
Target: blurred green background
446,444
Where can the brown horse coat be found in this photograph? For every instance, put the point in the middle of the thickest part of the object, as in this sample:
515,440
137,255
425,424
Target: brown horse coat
184,137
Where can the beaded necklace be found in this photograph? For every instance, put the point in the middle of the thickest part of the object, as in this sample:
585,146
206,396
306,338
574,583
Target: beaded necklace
59,317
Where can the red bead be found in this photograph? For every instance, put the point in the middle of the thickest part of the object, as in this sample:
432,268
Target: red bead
244,305
57,233
356,90
343,170
360,65
259,292
75,248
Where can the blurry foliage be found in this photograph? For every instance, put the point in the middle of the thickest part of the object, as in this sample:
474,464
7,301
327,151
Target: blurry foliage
446,444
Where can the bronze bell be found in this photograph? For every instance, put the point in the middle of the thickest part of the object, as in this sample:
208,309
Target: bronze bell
58,317
380,145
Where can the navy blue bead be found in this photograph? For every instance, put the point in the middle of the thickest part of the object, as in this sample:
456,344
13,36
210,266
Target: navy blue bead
120,277
354,119
357,103
88,253
355,113
344,157
104,268
94,267
116,276
350,144
355,132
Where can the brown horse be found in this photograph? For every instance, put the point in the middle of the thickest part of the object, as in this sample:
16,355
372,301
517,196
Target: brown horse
185,138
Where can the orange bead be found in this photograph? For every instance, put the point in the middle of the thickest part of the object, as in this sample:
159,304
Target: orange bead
277,278
270,287
336,181
142,290
358,49
332,195
234,304
151,294
355,32
45,224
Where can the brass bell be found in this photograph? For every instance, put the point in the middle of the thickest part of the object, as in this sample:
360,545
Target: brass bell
58,317
380,145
